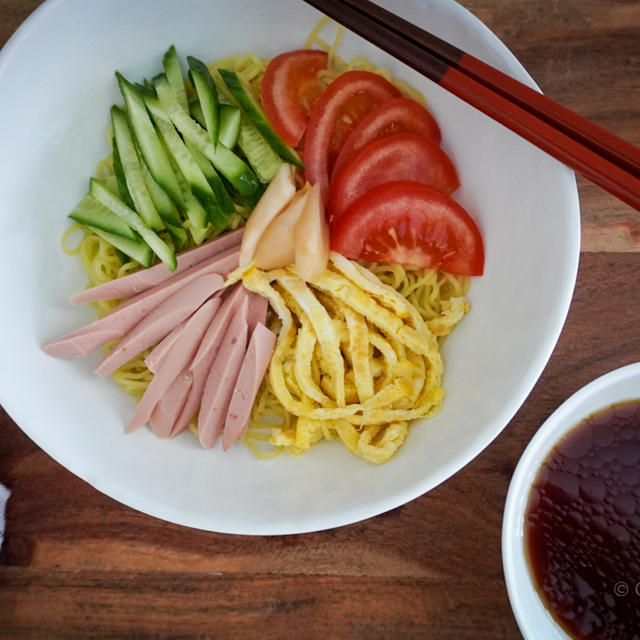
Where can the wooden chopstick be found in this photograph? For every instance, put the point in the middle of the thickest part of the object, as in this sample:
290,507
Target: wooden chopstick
600,156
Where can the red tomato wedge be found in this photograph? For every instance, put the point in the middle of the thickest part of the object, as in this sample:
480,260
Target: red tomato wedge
290,88
400,156
392,116
410,224
339,109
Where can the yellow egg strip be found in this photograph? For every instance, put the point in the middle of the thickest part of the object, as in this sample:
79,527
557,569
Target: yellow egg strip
368,282
352,360
303,367
359,350
322,325
345,291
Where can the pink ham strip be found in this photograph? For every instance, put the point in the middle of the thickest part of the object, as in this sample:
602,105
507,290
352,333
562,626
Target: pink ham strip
140,281
155,326
155,358
169,406
257,310
222,379
181,353
207,351
123,318
252,371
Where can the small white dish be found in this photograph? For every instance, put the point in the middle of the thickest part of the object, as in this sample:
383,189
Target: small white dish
533,617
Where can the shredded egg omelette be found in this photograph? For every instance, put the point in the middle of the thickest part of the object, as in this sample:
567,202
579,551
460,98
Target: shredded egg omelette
354,359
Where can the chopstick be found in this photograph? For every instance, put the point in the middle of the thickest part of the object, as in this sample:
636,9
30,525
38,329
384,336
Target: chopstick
605,159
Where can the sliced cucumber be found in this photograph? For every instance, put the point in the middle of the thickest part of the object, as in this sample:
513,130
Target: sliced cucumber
132,170
226,162
111,183
119,208
198,234
119,174
254,112
147,139
195,212
92,213
252,200
207,96
229,125
180,153
260,155
134,249
164,204
173,71
213,179
197,114
196,216
178,236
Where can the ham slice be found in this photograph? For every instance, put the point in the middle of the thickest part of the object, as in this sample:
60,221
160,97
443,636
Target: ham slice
181,353
159,323
140,281
169,406
254,366
201,365
123,318
222,379
257,310
155,358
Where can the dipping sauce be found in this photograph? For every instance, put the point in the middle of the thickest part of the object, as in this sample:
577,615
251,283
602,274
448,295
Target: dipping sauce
582,527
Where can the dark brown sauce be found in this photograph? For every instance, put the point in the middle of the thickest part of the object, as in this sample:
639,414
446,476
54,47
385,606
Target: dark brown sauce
582,527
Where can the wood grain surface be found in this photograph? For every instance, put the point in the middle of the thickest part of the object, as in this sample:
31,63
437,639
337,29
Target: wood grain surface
76,564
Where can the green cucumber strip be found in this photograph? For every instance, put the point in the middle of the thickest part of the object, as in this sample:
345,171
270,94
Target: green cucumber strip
148,141
119,208
164,204
213,179
230,116
180,153
111,183
207,96
254,112
173,71
235,170
178,236
134,249
197,114
119,174
123,257
216,216
260,155
195,213
138,191
198,234
252,200
226,203
92,213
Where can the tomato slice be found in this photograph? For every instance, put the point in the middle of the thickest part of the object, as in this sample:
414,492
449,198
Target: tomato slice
410,224
400,156
338,110
392,116
290,88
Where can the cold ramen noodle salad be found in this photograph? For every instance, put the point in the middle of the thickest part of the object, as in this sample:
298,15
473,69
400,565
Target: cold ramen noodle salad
274,253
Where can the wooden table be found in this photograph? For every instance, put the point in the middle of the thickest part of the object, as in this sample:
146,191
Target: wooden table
76,564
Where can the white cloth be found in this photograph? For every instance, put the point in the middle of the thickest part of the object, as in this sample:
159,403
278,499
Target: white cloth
4,496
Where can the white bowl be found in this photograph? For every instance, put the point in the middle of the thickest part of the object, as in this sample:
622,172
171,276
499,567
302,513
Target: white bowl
533,618
57,83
